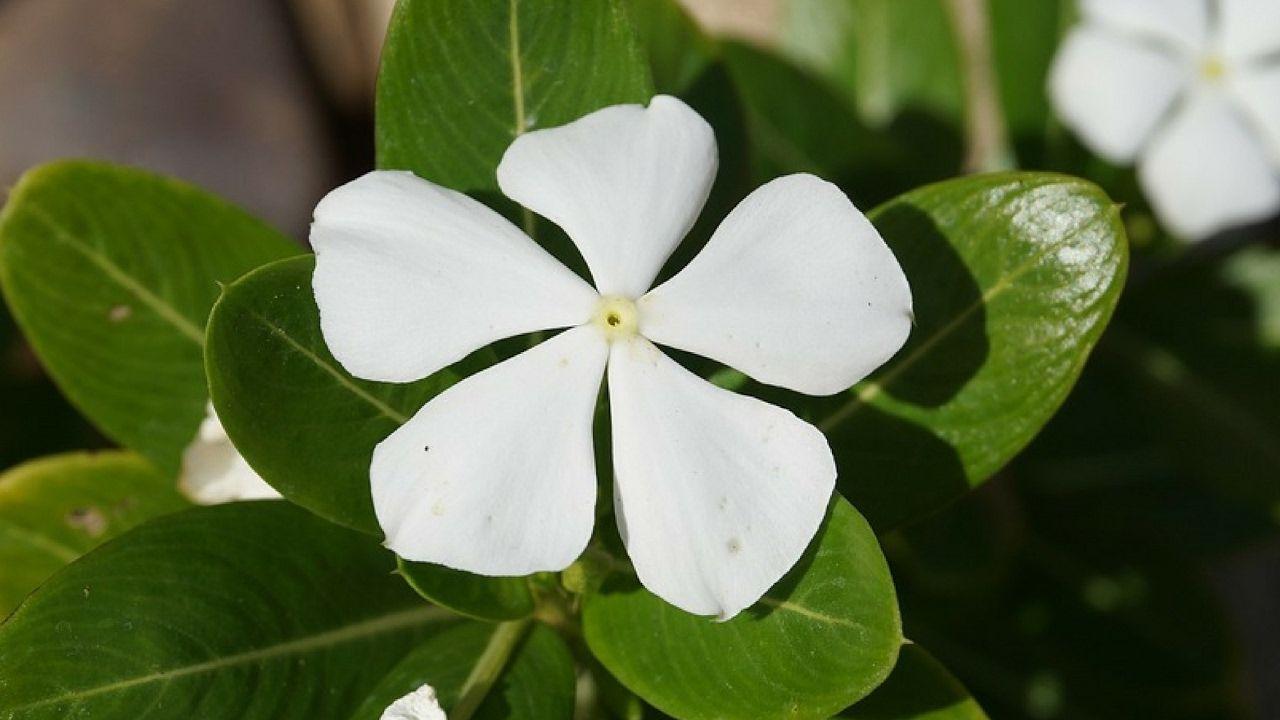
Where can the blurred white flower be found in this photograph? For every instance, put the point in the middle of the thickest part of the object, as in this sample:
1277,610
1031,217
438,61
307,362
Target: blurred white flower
421,704
213,471
1191,90
717,494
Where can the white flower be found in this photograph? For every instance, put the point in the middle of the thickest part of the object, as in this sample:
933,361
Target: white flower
717,494
1191,89
213,471
421,704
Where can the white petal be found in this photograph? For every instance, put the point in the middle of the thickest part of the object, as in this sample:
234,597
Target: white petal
1258,92
496,475
719,494
213,471
1181,23
1206,171
795,288
411,277
1112,91
626,183
421,704
1250,28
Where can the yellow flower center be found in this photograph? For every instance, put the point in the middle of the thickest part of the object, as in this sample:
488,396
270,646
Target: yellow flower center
617,317
1213,68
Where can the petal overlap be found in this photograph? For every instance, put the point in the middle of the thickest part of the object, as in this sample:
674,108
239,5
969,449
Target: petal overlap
1180,24
1206,170
1112,91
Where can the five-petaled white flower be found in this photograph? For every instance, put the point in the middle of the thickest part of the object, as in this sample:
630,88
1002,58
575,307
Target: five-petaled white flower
421,704
717,494
1191,88
214,472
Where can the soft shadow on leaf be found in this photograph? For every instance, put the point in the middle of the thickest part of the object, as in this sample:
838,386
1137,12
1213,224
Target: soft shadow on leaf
919,688
944,323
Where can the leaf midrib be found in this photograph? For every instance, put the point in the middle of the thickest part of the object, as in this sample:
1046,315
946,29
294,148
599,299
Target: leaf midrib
353,632
130,284
383,408
34,540
872,389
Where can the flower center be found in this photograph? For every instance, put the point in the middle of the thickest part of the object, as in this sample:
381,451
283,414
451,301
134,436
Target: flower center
1213,68
617,317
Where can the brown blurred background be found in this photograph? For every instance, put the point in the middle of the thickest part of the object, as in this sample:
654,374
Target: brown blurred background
265,102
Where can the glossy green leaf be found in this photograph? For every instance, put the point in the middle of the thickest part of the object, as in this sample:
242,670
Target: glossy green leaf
485,598
677,48
304,424
111,272
536,682
460,79
239,611
1014,278
55,509
919,688
821,639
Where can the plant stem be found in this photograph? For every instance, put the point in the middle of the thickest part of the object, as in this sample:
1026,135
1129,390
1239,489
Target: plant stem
502,644
988,138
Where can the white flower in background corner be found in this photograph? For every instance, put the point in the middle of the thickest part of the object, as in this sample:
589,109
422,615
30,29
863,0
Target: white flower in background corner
214,472
717,494
421,704
1191,90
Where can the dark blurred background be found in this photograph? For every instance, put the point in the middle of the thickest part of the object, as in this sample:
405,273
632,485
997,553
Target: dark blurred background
1091,579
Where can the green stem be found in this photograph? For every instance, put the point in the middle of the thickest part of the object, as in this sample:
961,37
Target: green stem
502,644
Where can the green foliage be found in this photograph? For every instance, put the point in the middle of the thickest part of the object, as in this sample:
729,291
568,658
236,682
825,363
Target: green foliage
304,424
55,509
537,682
461,79
887,56
247,610
1014,276
678,51
110,273
485,598
919,688
821,639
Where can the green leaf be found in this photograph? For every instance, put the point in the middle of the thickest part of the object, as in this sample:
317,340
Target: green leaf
919,688
111,272
239,611
887,56
1081,624
536,683
1024,37
485,598
679,52
1014,277
304,424
1197,351
460,79
55,509
798,123
821,639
